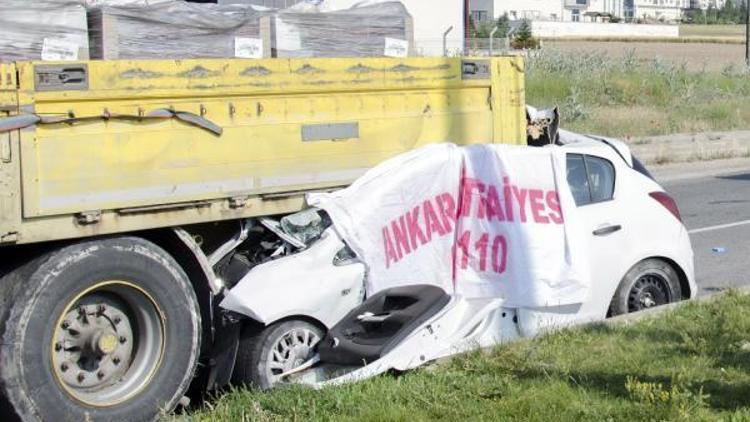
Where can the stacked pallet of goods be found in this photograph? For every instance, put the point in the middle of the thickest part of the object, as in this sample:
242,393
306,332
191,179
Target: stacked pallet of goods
43,30
174,30
60,30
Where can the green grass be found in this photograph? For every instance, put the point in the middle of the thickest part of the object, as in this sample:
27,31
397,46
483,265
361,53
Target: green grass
691,364
627,96
698,30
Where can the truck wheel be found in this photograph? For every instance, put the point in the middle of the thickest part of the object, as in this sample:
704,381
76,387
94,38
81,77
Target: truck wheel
265,354
101,330
649,283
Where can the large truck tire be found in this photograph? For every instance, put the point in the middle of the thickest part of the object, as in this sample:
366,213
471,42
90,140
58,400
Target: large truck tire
104,330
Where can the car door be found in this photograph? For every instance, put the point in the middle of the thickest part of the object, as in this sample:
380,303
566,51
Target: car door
593,182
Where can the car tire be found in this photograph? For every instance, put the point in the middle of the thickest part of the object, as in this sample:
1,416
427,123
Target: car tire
134,313
257,363
650,283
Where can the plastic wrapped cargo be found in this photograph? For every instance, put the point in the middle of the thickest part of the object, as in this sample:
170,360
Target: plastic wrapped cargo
43,30
382,29
175,30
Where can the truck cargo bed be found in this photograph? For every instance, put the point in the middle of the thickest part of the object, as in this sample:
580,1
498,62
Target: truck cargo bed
134,145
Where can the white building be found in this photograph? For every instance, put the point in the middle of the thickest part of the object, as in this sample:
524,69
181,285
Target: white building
482,10
667,10
705,4
582,10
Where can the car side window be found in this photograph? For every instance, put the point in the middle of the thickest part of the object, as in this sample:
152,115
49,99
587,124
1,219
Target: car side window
601,178
591,179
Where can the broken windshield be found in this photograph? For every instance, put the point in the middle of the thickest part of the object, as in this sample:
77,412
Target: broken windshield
306,226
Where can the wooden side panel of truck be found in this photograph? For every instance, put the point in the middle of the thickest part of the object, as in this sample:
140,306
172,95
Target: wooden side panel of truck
116,162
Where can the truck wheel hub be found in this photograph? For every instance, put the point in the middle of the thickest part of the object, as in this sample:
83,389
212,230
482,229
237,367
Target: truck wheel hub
108,344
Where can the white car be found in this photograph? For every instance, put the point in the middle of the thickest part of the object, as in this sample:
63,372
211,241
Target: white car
640,257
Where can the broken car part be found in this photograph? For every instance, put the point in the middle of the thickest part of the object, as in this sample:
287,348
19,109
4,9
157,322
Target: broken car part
26,120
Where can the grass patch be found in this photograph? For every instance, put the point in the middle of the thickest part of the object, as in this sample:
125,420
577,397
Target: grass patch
628,96
691,364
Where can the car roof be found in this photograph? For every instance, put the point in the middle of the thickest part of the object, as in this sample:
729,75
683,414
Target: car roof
586,144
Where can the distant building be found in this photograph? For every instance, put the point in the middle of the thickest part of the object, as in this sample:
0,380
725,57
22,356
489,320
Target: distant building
582,10
482,10
705,4
667,10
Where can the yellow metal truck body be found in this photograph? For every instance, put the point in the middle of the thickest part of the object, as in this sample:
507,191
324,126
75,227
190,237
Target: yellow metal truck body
101,162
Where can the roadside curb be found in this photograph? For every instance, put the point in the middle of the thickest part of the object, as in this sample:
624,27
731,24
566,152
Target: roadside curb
673,172
691,147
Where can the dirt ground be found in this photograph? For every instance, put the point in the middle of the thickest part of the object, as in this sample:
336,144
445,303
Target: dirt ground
712,31
697,56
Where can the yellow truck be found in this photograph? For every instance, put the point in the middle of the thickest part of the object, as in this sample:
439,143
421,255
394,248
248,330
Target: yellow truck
130,195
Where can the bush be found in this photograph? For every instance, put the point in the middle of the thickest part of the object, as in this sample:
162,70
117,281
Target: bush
626,96
530,44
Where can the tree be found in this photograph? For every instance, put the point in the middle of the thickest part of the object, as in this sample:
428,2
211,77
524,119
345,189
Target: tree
524,31
483,29
503,26
732,12
523,38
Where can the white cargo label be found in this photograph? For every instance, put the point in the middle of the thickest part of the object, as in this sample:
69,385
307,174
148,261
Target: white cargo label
55,49
248,48
395,47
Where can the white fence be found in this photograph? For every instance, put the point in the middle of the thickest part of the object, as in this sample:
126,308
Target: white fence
543,29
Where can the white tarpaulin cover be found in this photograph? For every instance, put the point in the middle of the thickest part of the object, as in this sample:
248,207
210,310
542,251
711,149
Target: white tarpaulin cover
479,221
43,29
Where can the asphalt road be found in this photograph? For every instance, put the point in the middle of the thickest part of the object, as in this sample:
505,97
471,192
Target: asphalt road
714,200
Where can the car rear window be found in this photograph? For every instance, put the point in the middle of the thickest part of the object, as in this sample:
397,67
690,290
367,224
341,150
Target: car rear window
591,179
640,168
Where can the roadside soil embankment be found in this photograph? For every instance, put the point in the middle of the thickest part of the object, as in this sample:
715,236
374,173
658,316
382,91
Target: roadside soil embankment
680,148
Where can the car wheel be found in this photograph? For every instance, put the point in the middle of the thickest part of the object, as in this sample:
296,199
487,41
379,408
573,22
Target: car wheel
101,330
267,353
648,284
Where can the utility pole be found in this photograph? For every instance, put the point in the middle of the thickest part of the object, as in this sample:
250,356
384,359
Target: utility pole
747,32
467,27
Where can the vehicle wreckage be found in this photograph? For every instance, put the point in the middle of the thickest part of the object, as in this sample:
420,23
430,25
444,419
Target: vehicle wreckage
313,315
